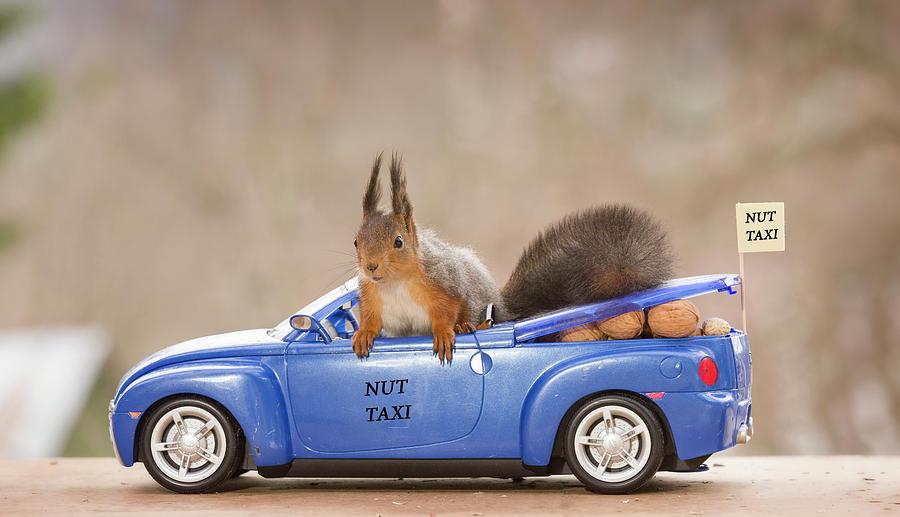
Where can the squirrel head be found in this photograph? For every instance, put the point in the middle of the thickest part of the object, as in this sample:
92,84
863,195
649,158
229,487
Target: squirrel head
386,243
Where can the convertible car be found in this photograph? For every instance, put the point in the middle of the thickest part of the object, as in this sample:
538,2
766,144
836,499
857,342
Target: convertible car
295,400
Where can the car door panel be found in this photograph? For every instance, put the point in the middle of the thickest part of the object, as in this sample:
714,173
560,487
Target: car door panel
400,396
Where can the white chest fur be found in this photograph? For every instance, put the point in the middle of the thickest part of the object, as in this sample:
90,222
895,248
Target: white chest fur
401,315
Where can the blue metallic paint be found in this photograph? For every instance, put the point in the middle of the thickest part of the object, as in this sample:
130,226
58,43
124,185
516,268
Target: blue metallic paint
296,396
633,369
252,343
424,393
247,388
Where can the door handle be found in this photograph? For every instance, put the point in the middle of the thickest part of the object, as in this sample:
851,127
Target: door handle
480,363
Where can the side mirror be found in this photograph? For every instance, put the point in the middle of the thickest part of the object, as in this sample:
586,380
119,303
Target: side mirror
301,322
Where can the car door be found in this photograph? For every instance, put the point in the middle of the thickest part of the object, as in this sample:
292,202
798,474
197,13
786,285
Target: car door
400,396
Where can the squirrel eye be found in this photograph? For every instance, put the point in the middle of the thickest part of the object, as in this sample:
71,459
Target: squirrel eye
398,242
354,243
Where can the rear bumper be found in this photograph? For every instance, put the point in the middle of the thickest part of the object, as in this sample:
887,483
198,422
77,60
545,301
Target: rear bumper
703,423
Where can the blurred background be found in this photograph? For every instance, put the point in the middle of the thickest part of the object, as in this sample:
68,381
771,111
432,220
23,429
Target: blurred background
173,169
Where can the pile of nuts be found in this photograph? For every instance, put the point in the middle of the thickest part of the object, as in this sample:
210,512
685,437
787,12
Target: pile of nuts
675,319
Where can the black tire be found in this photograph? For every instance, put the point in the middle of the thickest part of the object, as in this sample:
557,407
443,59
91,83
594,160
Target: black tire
230,454
644,449
239,473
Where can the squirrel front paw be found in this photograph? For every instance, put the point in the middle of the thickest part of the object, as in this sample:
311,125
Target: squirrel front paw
464,328
363,340
443,344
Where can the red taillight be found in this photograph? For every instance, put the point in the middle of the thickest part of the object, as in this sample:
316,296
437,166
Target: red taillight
708,371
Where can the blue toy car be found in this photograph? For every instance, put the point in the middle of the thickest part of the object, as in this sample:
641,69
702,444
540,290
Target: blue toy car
296,401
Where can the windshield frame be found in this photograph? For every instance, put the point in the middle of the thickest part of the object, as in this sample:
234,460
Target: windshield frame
322,306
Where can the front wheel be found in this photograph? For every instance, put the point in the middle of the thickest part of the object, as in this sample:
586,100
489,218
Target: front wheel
614,444
190,445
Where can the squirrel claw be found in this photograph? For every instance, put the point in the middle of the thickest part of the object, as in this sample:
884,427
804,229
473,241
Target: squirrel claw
464,328
363,341
443,346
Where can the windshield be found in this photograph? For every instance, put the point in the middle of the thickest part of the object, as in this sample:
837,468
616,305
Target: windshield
314,308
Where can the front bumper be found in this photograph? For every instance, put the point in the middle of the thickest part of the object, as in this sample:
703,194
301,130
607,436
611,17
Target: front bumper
112,437
706,422
122,429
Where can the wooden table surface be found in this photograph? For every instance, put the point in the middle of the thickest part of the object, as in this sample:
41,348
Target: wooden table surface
824,485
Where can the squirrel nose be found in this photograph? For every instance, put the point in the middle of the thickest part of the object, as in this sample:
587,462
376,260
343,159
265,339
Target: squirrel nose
371,266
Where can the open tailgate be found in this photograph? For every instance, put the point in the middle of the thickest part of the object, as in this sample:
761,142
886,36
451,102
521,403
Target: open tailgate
677,289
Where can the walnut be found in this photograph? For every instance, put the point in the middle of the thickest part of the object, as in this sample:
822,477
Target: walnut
673,319
623,326
586,332
715,327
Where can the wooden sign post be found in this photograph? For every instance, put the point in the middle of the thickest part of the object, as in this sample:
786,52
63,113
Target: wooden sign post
760,228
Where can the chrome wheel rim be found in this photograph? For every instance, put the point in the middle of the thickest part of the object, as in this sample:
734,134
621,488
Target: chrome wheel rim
612,444
188,444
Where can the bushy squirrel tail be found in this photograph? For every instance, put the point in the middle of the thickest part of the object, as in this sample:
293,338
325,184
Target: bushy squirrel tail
588,256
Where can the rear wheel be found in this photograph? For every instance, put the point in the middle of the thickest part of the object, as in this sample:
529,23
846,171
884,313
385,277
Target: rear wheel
190,445
614,444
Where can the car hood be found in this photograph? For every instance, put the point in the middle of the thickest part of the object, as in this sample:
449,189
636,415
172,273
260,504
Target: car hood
231,344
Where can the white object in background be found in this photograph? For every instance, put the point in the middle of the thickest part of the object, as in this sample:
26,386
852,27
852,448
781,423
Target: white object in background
46,376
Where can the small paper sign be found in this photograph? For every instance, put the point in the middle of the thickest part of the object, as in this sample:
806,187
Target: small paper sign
760,227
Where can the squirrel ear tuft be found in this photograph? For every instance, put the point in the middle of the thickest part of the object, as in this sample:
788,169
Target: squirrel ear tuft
399,197
373,191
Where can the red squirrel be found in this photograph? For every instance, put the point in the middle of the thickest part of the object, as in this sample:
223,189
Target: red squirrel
413,283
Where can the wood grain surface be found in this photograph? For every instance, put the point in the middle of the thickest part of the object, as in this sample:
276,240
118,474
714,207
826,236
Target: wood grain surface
824,485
